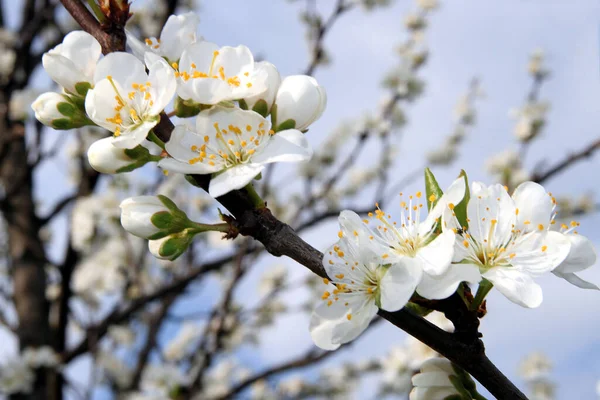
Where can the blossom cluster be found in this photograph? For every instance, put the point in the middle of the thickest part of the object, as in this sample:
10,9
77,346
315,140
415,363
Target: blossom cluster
480,234
246,115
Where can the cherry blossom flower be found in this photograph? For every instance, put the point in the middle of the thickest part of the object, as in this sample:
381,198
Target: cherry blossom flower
178,33
362,281
232,144
72,63
433,382
300,99
126,100
209,74
509,241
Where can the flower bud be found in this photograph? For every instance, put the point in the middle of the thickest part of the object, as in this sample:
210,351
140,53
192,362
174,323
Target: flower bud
263,102
104,157
170,247
59,111
151,217
300,100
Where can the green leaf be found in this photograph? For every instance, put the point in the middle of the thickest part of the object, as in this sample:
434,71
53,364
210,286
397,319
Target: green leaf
82,88
432,189
461,208
162,220
66,109
288,124
261,107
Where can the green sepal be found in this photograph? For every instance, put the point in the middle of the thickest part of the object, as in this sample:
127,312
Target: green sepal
458,385
417,309
162,220
132,166
288,124
432,188
137,153
175,246
261,107
158,235
168,203
82,88
274,115
66,109
192,181
186,108
243,105
460,209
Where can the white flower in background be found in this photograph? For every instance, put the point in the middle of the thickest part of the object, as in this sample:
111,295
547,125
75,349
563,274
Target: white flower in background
500,162
93,214
121,334
536,63
535,366
433,382
261,391
72,63
582,255
209,74
180,344
162,378
273,278
115,369
273,81
445,155
463,110
428,5
126,100
530,120
412,241
291,387
509,241
7,61
20,103
43,356
137,213
106,158
300,99
362,281
178,33
232,144
16,376
89,281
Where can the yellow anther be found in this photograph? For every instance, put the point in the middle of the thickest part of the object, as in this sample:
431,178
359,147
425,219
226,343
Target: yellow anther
349,316
419,194
326,281
544,248
340,234
340,276
432,198
340,253
541,227
465,243
325,295
451,206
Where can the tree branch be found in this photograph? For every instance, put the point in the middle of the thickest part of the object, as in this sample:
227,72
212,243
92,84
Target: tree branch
588,151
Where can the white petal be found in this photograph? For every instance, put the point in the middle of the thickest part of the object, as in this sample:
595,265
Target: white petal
179,32
517,286
575,280
173,165
124,68
163,83
330,326
130,139
492,214
534,205
432,379
233,178
581,256
437,255
454,195
290,146
539,252
100,103
138,48
399,283
442,286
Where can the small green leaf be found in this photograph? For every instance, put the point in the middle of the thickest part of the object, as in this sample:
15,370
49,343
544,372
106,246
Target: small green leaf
162,220
261,107
461,208
82,88
432,189
288,124
66,109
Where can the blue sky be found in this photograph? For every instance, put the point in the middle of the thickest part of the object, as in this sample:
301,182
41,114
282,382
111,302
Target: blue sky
466,39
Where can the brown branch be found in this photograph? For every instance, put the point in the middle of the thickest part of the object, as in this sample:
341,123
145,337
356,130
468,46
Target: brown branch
588,151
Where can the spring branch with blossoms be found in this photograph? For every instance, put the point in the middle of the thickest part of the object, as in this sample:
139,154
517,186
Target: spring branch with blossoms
440,256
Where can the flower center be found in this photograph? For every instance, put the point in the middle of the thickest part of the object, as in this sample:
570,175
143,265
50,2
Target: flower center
127,113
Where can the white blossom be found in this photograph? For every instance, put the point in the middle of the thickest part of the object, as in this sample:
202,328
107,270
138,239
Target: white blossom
300,99
433,382
16,376
232,144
